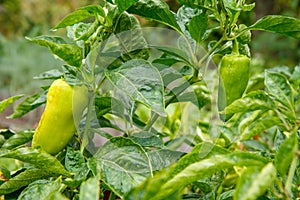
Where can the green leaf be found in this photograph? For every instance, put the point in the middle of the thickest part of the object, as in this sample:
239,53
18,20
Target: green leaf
124,5
256,83
18,139
279,87
166,62
199,152
104,122
56,195
246,119
156,10
29,104
278,24
83,31
141,82
105,105
254,182
52,74
206,168
37,158
73,160
226,195
163,158
184,16
4,174
295,77
170,74
283,70
199,95
75,163
231,5
23,179
248,7
150,187
130,36
90,189
168,186
147,139
256,100
279,137
198,26
178,53
259,126
285,154
256,146
233,9
124,164
39,189
71,54
7,102
79,15
195,3
2,140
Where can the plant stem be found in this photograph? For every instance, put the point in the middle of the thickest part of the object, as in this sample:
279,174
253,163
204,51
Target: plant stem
278,192
289,181
235,48
101,83
191,52
217,14
211,50
152,121
112,196
239,34
85,136
279,114
155,115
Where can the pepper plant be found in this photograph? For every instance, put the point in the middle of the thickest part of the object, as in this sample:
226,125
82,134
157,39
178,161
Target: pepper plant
171,129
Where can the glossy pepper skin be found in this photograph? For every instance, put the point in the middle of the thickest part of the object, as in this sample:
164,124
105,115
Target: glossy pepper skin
233,80
62,114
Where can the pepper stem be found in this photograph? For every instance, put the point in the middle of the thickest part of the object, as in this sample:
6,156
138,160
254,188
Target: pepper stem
235,48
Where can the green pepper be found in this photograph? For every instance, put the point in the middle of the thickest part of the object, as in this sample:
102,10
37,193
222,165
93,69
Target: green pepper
62,114
233,80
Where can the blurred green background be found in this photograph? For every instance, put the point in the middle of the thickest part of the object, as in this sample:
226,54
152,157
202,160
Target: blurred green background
21,60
